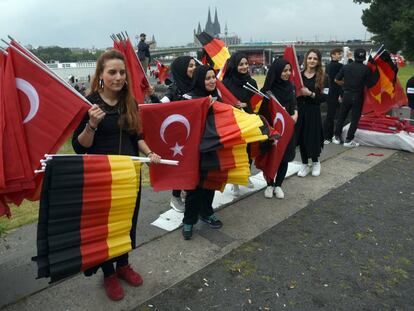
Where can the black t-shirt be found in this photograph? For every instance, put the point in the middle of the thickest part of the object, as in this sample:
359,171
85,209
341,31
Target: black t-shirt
108,139
355,76
410,92
332,70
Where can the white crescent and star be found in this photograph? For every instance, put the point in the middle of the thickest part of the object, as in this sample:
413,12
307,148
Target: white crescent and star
177,149
31,94
280,117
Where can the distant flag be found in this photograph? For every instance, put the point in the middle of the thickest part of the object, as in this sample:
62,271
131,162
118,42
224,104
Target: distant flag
296,77
162,71
215,48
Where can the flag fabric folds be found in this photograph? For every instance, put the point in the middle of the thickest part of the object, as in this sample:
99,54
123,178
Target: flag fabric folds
86,213
256,102
225,94
283,123
215,48
290,55
174,131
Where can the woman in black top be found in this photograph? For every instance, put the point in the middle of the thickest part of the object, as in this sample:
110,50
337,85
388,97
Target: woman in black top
236,76
198,202
113,126
309,126
182,69
277,82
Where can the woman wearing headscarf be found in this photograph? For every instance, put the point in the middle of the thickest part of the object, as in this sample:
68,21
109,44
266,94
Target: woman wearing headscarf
182,69
236,76
198,203
277,82
309,126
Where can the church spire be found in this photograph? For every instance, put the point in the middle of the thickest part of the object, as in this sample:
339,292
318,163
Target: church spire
199,28
209,25
216,24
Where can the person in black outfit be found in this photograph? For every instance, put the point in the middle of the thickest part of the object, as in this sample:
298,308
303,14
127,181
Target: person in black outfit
277,82
198,203
144,52
353,77
309,125
410,94
113,126
236,76
182,69
335,91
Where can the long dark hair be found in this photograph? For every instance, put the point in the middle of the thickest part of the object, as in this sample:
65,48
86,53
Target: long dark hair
129,108
320,75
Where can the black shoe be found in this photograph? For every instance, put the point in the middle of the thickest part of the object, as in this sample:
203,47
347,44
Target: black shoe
212,221
187,232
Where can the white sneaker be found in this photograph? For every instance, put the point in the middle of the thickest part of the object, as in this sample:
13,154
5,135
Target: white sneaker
336,140
304,170
351,144
177,205
316,169
327,141
250,185
279,193
236,190
268,193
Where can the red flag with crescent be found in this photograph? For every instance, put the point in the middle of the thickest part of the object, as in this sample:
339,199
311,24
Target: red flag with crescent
290,55
174,130
283,123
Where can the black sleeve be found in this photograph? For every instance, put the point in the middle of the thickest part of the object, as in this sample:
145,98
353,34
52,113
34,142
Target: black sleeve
340,75
77,147
154,99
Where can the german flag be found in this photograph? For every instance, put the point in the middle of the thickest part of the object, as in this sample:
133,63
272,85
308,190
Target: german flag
375,83
256,102
388,72
87,211
215,48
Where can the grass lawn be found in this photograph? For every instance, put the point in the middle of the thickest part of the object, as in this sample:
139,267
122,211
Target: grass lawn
28,211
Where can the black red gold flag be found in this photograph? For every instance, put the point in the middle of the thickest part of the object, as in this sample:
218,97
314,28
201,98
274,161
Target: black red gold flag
215,48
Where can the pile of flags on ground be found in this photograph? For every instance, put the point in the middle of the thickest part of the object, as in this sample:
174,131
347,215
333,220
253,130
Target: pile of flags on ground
38,112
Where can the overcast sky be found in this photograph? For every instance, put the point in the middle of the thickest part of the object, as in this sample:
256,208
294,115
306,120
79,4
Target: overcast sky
87,23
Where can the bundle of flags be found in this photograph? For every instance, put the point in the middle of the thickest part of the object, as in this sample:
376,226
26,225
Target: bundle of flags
139,80
384,124
215,49
385,91
38,112
86,208
296,78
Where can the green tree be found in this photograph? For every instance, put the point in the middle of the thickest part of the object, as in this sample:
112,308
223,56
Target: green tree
392,23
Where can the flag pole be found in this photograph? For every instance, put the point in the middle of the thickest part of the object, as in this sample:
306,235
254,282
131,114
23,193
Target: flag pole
52,75
257,90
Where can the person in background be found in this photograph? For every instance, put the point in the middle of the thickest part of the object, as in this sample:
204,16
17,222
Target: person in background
410,95
277,82
144,52
335,92
198,202
353,77
113,126
309,125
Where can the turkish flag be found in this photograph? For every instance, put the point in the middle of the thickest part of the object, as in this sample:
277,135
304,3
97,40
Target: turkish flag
2,120
136,73
226,96
283,123
290,55
174,130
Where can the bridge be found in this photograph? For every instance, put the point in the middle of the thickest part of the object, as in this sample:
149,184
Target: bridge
268,49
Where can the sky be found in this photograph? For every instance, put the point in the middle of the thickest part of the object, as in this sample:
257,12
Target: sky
88,23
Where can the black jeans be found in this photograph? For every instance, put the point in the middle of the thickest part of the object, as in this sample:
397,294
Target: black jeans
351,102
333,104
280,177
176,193
108,266
198,203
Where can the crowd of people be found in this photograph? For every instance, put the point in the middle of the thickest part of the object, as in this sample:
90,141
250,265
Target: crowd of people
113,126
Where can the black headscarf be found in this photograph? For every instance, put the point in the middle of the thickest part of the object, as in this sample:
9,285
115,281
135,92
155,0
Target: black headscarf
198,87
283,90
179,73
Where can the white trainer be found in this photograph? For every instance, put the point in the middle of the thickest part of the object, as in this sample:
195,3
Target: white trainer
279,193
351,144
336,140
177,204
236,190
304,170
250,184
316,168
327,141
268,193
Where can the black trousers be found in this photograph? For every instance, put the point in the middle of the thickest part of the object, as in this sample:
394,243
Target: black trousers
280,177
108,266
176,193
304,155
333,105
198,203
351,102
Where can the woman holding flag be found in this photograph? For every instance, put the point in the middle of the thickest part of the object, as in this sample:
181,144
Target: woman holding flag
198,203
309,126
113,126
277,82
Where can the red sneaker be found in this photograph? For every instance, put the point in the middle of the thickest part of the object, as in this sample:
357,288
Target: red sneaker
128,274
113,287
